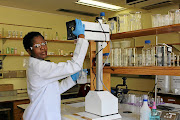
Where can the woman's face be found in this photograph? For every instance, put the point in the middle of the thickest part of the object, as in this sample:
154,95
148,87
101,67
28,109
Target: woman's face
39,48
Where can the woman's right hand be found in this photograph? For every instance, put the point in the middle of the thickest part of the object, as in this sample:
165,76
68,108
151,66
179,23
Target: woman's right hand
79,29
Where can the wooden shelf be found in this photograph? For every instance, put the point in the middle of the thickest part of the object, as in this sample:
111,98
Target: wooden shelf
146,32
167,44
11,38
59,55
148,70
28,55
60,41
47,55
12,55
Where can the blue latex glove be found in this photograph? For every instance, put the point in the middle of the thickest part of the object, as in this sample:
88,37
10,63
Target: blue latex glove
75,76
79,29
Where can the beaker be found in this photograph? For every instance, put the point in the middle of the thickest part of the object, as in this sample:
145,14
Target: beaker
116,57
113,24
123,23
120,57
131,56
174,16
124,57
156,18
139,60
161,55
135,21
165,20
177,57
172,59
112,58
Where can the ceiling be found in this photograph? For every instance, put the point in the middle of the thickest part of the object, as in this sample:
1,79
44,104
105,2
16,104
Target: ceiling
51,6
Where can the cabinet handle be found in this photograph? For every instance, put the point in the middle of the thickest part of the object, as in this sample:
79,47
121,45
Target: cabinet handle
171,100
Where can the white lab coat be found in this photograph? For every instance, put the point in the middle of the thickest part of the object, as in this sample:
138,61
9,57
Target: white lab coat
44,88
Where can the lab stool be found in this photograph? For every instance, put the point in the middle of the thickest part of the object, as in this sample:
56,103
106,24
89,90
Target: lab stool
5,113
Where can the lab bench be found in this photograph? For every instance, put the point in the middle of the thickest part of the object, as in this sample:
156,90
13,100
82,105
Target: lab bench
11,103
69,108
73,109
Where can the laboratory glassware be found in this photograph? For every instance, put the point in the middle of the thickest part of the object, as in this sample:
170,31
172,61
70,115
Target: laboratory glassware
163,82
123,23
174,16
135,20
113,24
161,55
148,54
175,84
156,19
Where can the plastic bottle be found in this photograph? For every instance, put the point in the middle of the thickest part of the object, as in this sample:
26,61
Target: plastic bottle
145,111
148,54
102,15
154,113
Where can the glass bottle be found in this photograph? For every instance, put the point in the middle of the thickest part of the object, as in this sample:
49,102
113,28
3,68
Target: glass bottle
154,114
148,54
102,15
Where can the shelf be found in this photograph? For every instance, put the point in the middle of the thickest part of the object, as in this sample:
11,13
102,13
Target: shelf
60,41
11,38
59,56
146,32
170,44
148,70
47,55
28,55
12,55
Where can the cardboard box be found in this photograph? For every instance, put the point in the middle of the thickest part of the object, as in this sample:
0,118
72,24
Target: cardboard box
14,74
6,87
21,73
9,74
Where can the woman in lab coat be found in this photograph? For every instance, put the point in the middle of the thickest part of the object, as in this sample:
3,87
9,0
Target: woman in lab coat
43,86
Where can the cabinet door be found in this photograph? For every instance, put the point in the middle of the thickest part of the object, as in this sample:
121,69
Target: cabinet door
171,99
17,112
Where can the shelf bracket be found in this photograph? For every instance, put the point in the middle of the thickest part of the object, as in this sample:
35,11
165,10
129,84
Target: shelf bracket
112,69
3,57
4,41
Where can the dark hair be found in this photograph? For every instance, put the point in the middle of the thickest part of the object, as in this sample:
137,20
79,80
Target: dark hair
28,39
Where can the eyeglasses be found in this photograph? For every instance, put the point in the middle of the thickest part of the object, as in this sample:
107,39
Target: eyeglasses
39,45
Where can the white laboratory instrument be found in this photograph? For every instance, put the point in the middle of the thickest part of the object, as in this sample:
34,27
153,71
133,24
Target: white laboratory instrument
99,102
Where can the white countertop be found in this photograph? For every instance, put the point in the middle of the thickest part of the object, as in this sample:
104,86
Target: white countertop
69,112
76,105
14,98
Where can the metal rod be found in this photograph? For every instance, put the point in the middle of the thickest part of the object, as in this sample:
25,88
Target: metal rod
156,75
99,65
155,89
